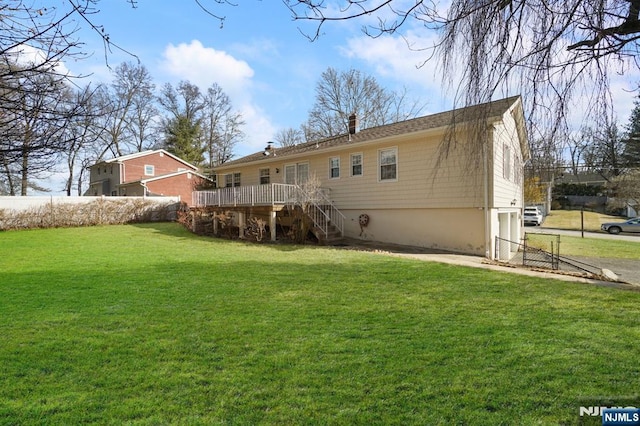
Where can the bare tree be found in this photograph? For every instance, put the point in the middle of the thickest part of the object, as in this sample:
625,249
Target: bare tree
626,187
546,159
36,112
608,148
185,100
221,126
340,94
547,51
128,110
289,137
142,119
83,134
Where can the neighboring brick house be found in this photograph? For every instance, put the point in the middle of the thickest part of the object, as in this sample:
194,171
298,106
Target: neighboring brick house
147,173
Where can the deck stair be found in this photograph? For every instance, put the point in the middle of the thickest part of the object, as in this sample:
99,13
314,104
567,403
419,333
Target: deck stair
327,220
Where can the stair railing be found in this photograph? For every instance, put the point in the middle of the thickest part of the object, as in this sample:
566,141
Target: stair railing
322,211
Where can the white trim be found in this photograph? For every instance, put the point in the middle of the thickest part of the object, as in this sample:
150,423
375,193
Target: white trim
296,171
268,175
380,150
160,177
331,168
351,164
144,154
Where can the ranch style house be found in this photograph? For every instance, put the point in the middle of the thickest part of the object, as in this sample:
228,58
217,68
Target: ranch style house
450,181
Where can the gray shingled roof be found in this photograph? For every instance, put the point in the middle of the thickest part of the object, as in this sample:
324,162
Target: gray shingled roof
487,111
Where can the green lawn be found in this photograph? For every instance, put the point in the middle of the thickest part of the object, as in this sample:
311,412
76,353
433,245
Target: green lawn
572,219
588,247
149,324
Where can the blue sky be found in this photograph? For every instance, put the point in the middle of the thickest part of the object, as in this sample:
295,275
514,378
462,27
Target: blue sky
263,62
259,57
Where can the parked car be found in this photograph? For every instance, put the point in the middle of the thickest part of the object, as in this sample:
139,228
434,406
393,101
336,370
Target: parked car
631,225
532,216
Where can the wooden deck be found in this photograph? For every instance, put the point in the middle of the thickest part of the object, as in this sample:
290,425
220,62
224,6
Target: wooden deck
276,196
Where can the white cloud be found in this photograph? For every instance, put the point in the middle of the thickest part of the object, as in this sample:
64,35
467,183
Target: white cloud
405,61
204,66
32,56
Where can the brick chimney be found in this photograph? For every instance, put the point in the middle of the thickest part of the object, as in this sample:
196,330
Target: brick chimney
353,124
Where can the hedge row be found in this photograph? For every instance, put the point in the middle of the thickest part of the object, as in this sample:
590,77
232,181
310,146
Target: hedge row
99,212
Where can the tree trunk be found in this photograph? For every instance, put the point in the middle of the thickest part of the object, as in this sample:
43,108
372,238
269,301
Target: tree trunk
24,172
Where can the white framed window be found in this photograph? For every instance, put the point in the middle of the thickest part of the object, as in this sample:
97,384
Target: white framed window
264,176
149,170
506,162
388,164
231,179
334,167
296,173
356,164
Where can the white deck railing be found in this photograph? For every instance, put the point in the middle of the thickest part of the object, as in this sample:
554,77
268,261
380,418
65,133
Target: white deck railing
252,195
322,211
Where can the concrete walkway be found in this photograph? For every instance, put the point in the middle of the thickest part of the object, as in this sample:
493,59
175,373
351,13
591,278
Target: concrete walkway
440,256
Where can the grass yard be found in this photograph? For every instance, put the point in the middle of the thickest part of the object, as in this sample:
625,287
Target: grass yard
149,324
570,219
587,247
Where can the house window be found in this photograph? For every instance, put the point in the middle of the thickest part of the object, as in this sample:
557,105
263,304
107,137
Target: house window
149,170
264,177
388,160
334,167
296,173
356,164
232,179
506,162
517,172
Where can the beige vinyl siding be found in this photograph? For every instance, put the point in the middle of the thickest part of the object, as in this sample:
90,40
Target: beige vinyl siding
507,189
416,186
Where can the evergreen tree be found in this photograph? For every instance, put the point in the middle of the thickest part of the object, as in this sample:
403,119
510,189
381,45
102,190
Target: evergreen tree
183,139
631,153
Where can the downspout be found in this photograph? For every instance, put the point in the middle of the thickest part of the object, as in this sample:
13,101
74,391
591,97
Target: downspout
487,215
121,178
